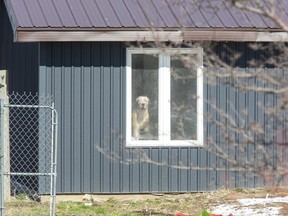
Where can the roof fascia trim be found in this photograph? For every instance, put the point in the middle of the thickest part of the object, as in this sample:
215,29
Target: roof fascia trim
243,36
33,36
175,36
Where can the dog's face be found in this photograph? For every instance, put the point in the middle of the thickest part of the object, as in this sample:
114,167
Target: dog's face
142,102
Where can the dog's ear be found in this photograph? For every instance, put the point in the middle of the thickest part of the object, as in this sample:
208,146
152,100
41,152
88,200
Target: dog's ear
137,99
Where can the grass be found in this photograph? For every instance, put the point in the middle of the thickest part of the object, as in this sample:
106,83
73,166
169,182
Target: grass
26,208
168,205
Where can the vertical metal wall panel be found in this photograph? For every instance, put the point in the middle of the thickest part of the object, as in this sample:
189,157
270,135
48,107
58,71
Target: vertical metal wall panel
194,173
66,100
165,170
155,171
88,82
77,115
183,179
115,117
251,108
105,117
95,110
145,174
209,129
239,178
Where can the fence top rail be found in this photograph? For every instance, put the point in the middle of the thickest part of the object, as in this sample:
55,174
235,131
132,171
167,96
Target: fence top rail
28,106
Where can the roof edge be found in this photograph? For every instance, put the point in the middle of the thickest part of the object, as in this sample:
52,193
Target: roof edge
176,36
243,36
12,17
38,36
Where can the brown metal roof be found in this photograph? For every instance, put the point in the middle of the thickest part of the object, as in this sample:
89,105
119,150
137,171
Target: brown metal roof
127,15
137,13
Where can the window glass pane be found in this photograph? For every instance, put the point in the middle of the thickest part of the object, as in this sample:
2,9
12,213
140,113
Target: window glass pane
145,96
183,98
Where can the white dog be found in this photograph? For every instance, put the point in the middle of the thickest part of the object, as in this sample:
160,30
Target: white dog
140,117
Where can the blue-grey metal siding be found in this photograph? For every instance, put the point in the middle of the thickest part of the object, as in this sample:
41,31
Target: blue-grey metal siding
88,83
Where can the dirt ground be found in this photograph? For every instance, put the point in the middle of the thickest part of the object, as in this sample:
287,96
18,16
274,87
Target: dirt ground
236,202
192,203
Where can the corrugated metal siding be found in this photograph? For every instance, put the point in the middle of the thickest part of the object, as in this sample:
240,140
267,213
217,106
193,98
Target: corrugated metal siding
21,60
138,13
88,82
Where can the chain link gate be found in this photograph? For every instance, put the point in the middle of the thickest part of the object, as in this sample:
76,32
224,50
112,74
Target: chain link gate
28,136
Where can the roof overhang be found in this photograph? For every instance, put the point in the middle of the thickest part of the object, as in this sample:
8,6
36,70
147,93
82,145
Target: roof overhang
149,35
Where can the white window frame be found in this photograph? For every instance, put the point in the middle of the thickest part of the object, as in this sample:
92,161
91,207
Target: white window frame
164,98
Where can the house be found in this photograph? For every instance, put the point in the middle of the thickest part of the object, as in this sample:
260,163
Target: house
91,56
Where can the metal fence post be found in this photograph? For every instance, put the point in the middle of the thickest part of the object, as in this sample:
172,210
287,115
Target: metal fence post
2,155
3,95
54,124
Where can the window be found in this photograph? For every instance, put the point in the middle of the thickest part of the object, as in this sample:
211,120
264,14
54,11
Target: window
164,97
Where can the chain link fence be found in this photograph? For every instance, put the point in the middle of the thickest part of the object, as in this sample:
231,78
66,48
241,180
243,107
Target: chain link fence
28,134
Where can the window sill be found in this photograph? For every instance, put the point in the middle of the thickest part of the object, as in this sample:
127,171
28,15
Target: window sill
156,143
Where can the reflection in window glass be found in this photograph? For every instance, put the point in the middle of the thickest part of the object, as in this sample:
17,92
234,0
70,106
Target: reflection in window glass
183,100
145,97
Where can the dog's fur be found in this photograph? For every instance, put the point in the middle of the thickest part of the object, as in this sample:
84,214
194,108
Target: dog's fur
18,188
140,118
